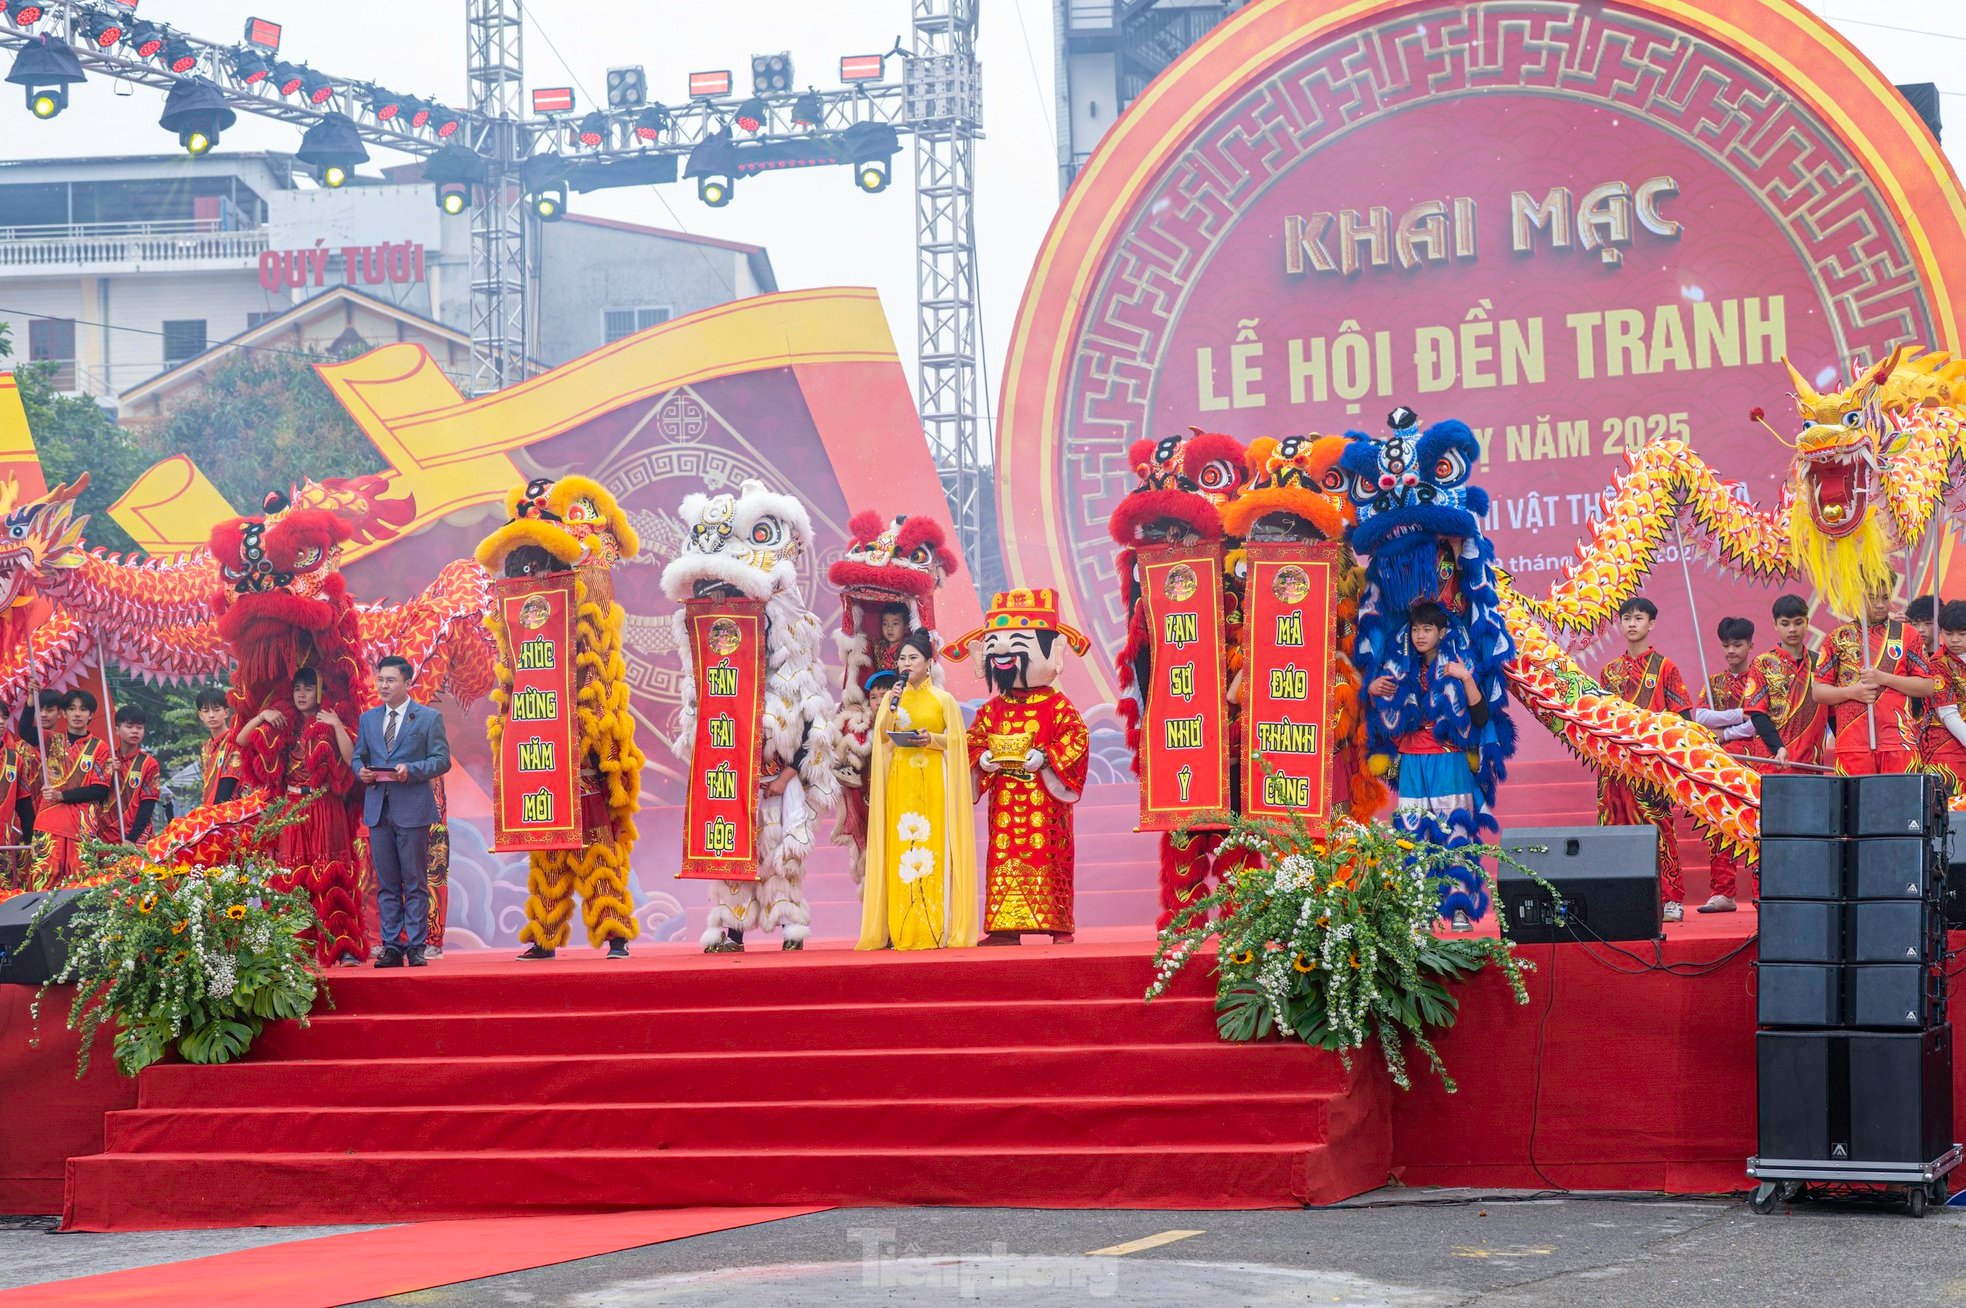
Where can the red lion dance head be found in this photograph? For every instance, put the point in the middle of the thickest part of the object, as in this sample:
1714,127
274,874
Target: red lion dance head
284,605
888,562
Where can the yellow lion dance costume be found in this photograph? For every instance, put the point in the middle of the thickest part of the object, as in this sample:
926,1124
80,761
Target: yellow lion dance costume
574,525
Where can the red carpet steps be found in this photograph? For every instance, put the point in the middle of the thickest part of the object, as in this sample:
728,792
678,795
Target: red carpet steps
483,1087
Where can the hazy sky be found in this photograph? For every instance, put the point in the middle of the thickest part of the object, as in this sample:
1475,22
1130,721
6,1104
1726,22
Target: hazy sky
819,229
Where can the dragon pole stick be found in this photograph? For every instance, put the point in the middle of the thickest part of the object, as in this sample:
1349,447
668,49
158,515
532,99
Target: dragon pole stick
1863,630
1699,644
109,731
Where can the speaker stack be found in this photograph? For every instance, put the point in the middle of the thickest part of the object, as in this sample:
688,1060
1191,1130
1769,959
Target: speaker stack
1854,1056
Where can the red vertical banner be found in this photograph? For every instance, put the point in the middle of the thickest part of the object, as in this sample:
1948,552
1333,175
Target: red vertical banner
720,808
1289,617
1184,738
536,773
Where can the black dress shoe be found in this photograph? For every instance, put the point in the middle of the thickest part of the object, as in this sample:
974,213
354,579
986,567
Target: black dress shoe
617,949
390,958
416,958
534,954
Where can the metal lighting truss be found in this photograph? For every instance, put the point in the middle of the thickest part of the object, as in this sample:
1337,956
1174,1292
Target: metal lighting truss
938,102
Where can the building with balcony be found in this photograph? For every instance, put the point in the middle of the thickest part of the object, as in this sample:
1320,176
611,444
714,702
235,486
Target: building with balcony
120,272
1108,50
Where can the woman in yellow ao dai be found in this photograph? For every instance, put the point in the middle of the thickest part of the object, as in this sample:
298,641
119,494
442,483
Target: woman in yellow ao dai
921,838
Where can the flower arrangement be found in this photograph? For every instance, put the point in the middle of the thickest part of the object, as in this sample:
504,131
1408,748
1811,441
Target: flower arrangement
1332,941
188,958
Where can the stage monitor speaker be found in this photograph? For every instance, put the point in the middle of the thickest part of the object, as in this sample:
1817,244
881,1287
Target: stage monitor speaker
1793,804
1849,931
1877,867
1854,1096
1908,804
1955,883
30,959
1608,877
1883,996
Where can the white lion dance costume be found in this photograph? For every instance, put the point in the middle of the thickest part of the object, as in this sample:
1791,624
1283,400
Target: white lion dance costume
747,546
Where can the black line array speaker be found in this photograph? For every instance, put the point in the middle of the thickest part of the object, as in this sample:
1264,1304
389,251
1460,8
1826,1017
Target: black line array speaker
1608,877
1910,805
1839,1096
30,959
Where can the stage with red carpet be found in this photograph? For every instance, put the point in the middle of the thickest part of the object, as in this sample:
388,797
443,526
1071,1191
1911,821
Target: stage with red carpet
1032,1076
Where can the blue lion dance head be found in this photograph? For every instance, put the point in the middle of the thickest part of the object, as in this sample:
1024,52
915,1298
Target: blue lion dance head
1411,488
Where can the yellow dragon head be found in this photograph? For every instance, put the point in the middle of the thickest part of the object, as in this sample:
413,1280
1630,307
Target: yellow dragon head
1877,442
37,538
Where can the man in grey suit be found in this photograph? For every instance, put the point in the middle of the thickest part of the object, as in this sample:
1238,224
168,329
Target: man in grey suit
400,748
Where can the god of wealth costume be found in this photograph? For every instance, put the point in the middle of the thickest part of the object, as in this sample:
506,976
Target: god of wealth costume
1184,482
887,564
748,546
1028,753
1296,492
572,524
1419,528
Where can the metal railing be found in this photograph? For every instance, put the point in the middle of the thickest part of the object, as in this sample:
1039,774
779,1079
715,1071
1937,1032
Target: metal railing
189,240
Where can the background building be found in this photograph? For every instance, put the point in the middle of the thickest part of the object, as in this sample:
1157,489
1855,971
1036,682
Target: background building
123,271
1108,50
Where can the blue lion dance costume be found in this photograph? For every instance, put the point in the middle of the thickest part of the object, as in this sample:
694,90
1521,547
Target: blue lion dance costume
1419,525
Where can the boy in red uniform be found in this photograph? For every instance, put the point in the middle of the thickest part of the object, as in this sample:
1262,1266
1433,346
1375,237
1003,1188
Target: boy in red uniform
1869,691
20,784
1648,679
74,784
1922,615
1782,680
1944,742
1732,695
138,783
218,757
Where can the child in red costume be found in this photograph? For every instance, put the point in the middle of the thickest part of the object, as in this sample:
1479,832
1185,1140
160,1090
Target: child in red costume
1734,691
1944,744
1648,679
138,784
74,783
311,748
1781,688
1868,674
218,757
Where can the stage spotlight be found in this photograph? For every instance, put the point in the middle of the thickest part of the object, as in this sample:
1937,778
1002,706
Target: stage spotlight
654,121
196,110
771,74
628,88
146,39
103,30
288,77
414,112
871,147
27,15
593,130
333,148
443,122
751,114
45,70
385,105
454,170
317,89
806,110
713,163
249,68
178,56
544,178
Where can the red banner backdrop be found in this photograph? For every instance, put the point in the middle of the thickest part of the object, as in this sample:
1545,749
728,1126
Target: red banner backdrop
1578,225
1290,610
720,808
536,771
1184,740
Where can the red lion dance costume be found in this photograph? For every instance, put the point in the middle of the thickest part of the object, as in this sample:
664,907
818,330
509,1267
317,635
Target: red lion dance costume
888,565
1184,483
285,607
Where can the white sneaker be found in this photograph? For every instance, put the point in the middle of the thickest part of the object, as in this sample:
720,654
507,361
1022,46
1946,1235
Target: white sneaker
1674,913
1718,904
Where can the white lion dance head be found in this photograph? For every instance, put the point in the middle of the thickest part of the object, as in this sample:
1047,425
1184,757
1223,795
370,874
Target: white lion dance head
748,546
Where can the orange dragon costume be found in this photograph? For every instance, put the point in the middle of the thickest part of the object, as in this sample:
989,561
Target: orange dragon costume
1295,491
574,524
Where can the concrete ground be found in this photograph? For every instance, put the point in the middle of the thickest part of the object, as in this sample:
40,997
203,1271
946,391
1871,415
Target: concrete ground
1400,1249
